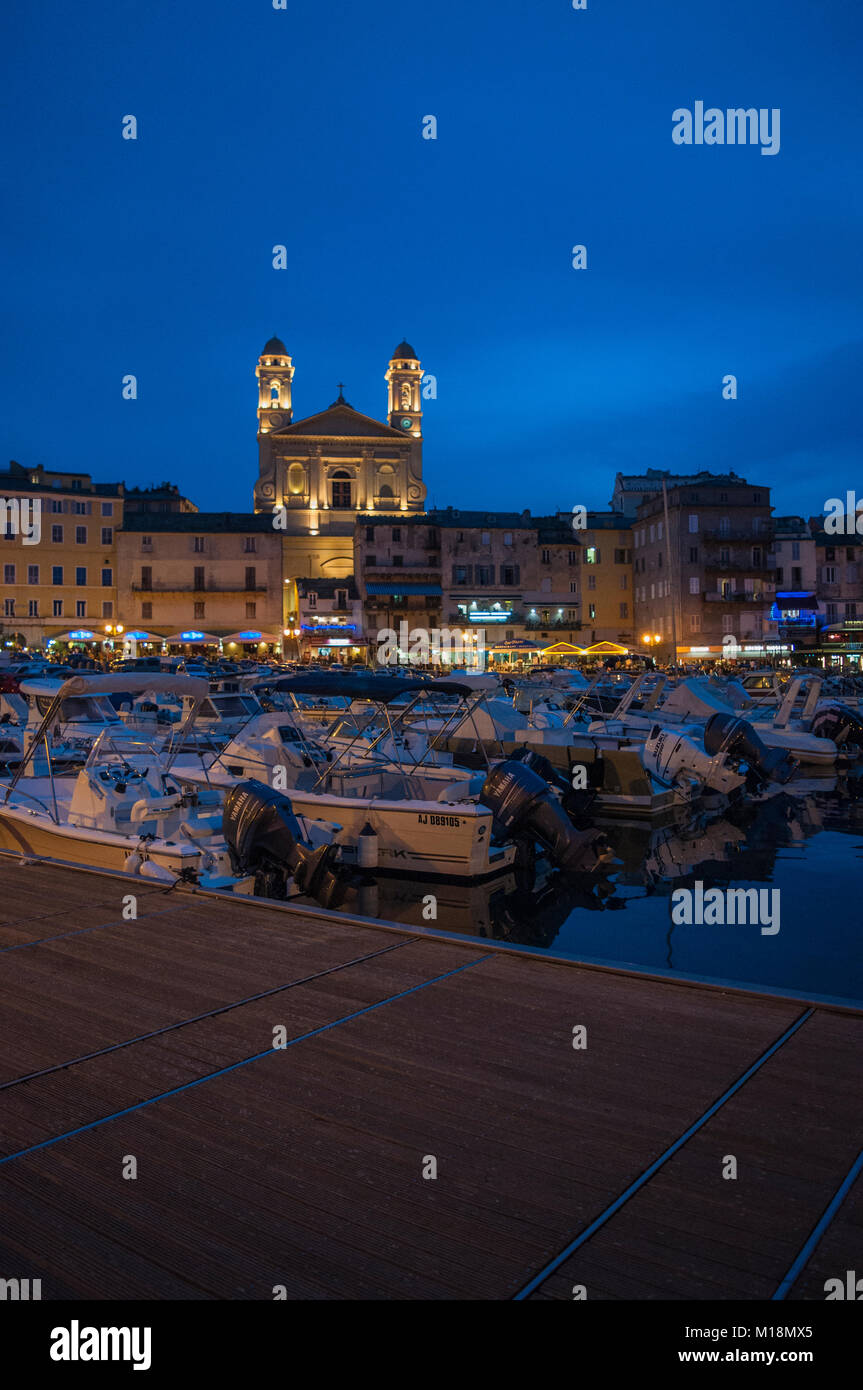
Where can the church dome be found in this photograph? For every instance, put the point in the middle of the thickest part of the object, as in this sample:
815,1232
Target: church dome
274,348
405,350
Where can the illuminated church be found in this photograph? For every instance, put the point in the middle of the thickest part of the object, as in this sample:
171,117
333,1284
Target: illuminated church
328,467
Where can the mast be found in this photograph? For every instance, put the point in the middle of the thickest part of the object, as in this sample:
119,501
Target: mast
671,576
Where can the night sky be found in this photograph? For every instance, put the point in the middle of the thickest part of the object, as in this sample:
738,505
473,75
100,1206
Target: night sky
303,127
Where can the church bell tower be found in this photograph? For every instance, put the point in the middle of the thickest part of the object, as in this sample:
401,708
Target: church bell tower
404,378
275,373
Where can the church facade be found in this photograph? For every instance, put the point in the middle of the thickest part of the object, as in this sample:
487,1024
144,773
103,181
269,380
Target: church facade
326,469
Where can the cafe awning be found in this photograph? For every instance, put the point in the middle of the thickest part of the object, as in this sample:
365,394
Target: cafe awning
564,649
250,634
193,637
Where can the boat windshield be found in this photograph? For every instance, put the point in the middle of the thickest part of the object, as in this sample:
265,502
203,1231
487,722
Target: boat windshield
80,709
122,748
229,706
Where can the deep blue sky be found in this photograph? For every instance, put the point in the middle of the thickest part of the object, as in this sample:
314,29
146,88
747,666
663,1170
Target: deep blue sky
259,126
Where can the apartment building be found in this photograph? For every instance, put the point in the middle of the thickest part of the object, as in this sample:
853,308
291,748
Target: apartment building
63,588
604,582
324,620
397,564
796,608
218,574
704,573
839,577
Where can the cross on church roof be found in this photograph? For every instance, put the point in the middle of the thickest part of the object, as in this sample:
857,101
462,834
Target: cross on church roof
341,399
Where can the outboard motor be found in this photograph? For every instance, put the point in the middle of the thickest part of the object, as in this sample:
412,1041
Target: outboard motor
524,807
263,838
728,734
837,721
577,804
675,759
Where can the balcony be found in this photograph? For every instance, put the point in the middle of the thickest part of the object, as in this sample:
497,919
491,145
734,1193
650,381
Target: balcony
737,598
741,567
187,589
761,537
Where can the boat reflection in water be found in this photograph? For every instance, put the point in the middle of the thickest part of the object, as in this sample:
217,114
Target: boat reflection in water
795,840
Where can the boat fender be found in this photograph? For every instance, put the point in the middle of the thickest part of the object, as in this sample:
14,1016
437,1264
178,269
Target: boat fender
367,847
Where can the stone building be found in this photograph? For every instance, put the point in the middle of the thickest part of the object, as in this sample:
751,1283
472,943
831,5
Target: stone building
709,579
327,468
63,588
215,573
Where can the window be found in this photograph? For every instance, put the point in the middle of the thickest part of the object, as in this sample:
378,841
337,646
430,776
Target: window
107,578
622,557
146,576
591,610
251,610
199,611
80,608
398,560
591,581
694,622
146,542
371,560
8,574
545,557
251,577
572,557
107,608
56,574
370,533
795,550
591,555
57,608
624,581
107,535
32,608
694,584
507,537
80,535
32,574
341,598
693,523
653,533
796,577
829,573
830,553
509,574
724,555
459,574
57,534
81,575
107,508
9,608
397,533
82,508
312,600
198,579
573,587
249,546
756,556
623,610
146,610
199,545
56,504
485,538
779,574
831,613
340,489
693,555
485,574
727,622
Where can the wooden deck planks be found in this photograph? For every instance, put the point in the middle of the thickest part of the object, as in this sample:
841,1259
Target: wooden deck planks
303,1168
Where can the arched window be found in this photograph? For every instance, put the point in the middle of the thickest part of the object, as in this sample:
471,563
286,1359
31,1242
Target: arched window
275,388
386,492
406,395
340,487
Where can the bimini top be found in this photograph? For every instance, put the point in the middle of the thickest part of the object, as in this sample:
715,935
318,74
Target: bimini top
135,682
382,689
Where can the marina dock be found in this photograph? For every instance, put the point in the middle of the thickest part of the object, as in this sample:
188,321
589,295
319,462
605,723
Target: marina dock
307,1168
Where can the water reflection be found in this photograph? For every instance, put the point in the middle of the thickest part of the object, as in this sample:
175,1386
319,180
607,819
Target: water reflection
805,839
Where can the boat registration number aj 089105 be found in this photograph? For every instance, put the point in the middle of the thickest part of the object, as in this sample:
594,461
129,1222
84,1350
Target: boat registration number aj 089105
430,819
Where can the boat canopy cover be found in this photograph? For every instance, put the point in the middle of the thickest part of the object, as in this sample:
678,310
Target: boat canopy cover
382,689
134,682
